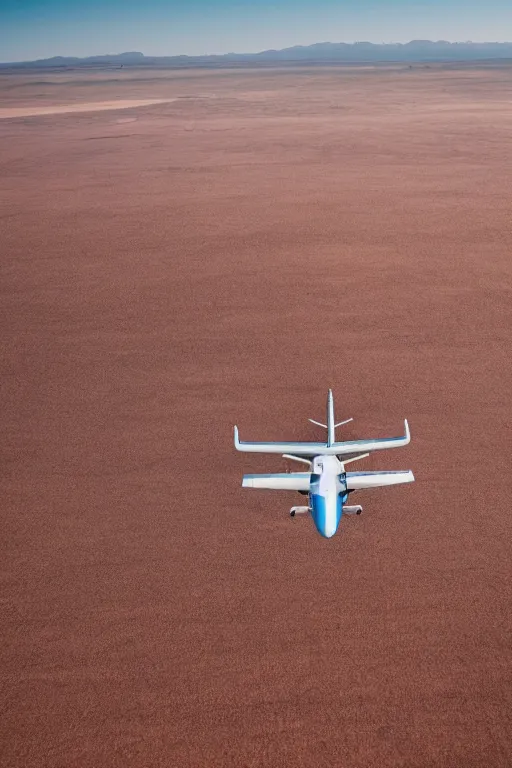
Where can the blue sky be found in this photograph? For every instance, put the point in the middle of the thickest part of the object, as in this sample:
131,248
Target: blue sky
31,29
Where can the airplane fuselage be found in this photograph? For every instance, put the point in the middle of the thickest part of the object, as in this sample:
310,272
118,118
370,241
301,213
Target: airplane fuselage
328,493
326,484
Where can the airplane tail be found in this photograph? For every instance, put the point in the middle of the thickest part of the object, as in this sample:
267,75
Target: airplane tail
331,425
331,447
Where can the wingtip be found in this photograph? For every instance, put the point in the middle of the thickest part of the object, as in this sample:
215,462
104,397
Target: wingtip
407,430
237,441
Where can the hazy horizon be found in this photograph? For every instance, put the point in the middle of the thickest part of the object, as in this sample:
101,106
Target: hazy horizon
45,28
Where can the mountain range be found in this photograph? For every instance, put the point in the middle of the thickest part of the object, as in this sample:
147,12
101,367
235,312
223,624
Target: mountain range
414,51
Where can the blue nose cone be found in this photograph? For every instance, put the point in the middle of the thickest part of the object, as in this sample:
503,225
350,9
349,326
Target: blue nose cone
326,515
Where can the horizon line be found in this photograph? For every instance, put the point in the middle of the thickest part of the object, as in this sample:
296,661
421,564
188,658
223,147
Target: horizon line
259,51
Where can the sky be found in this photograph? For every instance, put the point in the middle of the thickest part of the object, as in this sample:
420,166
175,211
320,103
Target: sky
34,29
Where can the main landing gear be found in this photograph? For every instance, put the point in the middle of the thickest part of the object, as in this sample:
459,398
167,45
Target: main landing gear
355,510
299,511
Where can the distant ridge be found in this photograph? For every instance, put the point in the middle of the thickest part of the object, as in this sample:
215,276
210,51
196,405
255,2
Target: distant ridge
416,50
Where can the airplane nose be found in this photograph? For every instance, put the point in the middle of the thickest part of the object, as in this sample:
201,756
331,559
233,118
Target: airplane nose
331,527
326,521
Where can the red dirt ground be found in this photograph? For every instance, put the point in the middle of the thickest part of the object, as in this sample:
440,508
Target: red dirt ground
171,270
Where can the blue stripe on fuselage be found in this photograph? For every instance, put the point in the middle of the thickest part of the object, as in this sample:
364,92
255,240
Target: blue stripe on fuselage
325,521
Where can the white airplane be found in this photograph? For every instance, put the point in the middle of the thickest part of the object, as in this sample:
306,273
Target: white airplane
327,484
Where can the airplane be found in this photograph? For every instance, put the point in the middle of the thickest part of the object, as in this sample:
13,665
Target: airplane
326,484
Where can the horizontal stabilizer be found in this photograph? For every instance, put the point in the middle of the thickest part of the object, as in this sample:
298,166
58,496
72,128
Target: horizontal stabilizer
357,481
317,449
318,424
286,481
342,423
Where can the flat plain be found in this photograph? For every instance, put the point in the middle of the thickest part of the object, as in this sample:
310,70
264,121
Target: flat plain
224,256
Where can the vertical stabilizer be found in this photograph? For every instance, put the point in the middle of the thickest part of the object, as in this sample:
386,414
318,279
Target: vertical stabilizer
331,439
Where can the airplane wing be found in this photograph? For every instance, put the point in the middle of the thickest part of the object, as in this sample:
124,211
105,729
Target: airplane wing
286,481
317,449
300,481
360,480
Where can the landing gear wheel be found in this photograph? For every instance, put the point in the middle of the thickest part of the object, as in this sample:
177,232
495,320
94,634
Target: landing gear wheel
356,509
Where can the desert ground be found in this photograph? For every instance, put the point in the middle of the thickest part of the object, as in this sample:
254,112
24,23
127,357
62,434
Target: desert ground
222,257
